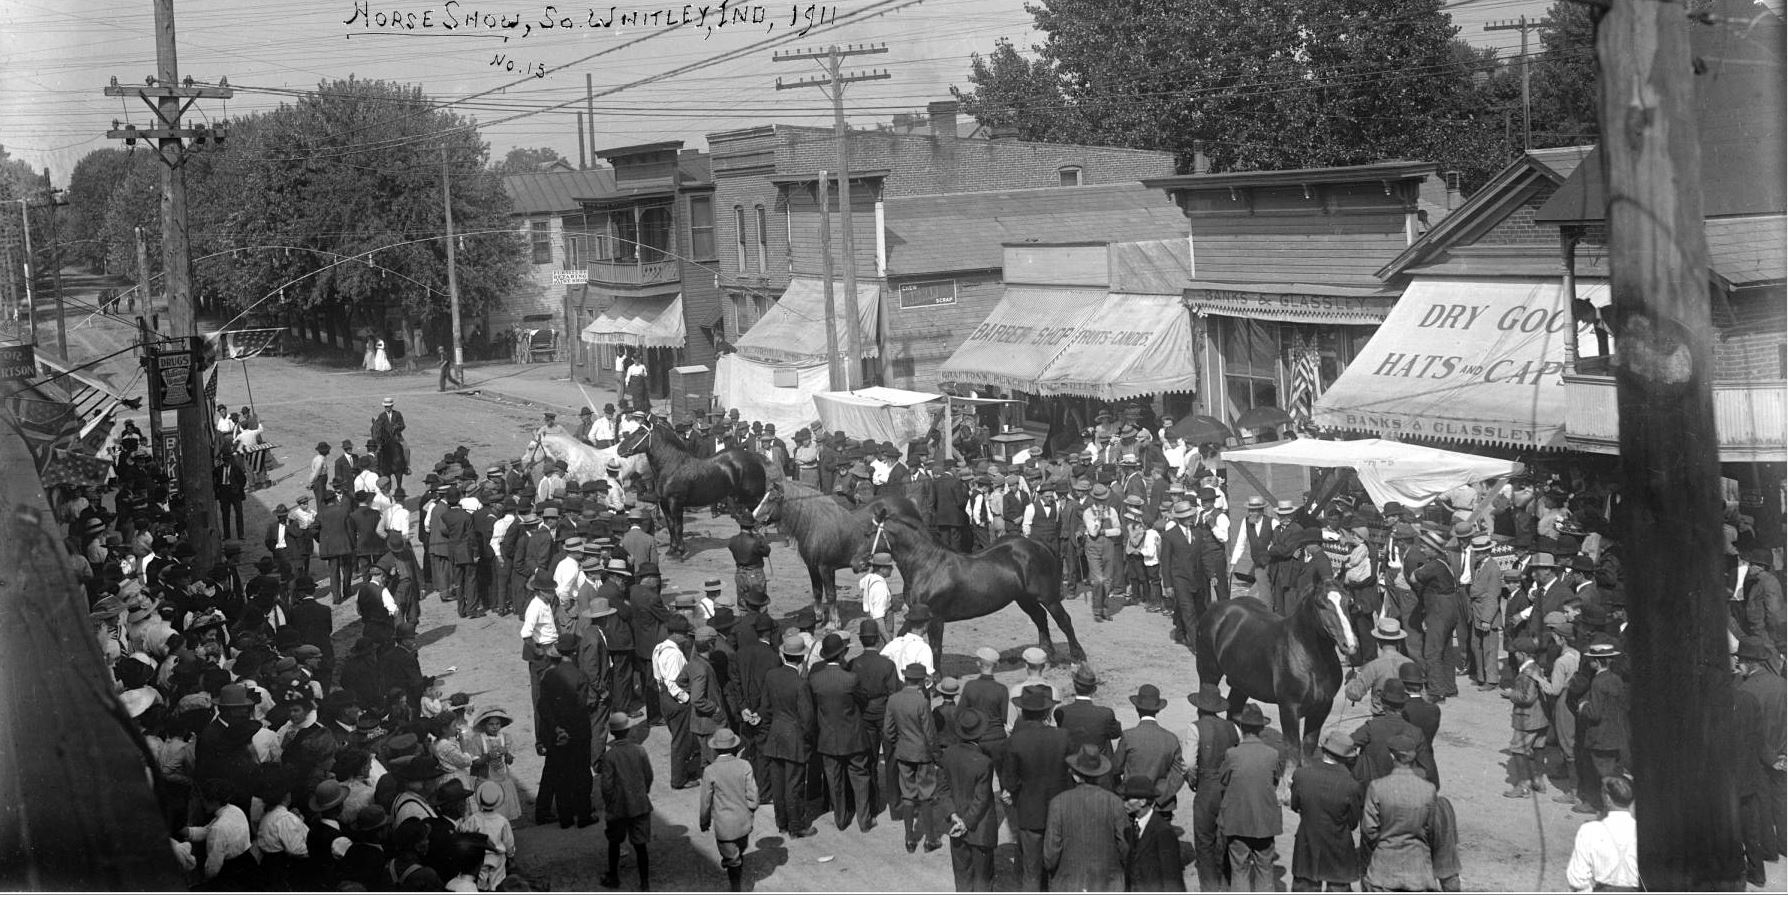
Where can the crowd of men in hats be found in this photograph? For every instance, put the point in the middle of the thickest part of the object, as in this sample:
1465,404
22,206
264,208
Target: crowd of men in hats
281,766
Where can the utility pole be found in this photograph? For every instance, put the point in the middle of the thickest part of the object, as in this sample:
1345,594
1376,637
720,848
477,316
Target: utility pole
834,83
459,356
143,273
1682,747
54,200
170,98
1523,26
589,116
30,296
583,152
835,367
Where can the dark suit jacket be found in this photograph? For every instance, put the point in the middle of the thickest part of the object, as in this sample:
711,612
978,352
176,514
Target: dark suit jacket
838,704
649,615
753,662
786,705
363,527
626,778
1327,799
707,698
456,536
965,789
1089,723
878,680
1373,738
533,545
1155,863
1249,805
1425,716
1148,749
1086,843
992,699
333,539
563,690
1034,769
1179,555
949,503
314,624
909,726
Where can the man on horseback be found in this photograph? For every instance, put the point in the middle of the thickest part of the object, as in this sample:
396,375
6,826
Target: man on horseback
394,454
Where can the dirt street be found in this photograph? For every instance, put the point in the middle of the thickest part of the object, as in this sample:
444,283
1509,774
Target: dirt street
1505,845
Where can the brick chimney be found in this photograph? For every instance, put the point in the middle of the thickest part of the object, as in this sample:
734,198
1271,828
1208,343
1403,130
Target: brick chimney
943,120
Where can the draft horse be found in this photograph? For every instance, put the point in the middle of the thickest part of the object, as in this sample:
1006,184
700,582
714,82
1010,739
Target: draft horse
828,536
391,456
1289,660
685,480
960,586
582,461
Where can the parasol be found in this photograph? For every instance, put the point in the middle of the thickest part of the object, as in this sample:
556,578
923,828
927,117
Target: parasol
1201,430
1261,417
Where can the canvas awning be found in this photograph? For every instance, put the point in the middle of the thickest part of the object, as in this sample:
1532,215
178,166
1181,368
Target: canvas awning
1131,345
639,322
1389,470
1464,359
1021,336
793,332
880,413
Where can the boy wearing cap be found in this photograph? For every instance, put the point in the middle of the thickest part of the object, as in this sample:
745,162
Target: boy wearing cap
626,774
1527,718
728,804
1604,712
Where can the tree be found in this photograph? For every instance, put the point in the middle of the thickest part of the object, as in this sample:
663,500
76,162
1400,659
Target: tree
96,177
522,160
1275,84
1563,78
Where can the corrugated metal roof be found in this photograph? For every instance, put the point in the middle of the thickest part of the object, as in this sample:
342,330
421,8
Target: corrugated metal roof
1747,250
534,193
960,232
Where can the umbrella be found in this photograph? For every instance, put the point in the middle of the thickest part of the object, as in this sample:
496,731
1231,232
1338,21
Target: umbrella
1201,430
1263,417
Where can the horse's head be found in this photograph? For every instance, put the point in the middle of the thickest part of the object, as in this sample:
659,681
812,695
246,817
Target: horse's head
769,509
876,539
1331,609
634,437
534,454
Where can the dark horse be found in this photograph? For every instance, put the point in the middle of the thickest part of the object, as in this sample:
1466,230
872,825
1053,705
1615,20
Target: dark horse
1288,660
959,586
392,458
685,480
828,536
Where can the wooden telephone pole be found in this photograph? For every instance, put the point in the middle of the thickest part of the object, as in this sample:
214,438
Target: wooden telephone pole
169,98
1682,741
1523,26
835,80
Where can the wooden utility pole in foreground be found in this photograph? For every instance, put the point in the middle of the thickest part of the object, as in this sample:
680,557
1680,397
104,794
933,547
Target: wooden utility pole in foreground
1681,695
836,379
459,356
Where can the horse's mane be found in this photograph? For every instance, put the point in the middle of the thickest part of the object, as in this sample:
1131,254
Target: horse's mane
821,527
926,552
674,440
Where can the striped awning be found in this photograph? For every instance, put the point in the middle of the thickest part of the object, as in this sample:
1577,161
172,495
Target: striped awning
1131,345
1021,336
639,322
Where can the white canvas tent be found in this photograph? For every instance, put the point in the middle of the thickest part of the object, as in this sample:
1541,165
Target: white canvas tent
1389,470
878,413
751,388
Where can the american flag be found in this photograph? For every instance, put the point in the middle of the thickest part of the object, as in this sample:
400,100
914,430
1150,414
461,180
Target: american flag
1306,384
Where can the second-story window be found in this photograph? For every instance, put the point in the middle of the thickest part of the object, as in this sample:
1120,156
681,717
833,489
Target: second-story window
573,251
541,237
655,234
763,240
739,232
701,228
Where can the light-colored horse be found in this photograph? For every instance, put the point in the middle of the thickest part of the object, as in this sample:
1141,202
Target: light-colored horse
584,462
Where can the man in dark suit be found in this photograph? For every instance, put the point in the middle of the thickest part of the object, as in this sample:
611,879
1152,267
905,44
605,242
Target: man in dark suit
1087,838
565,731
648,615
527,546
898,474
1210,738
458,541
842,743
281,540
949,511
1248,808
754,660
343,480
1151,751
987,696
1374,737
484,570
336,546
1087,722
311,620
965,801
1424,714
785,707
708,711
1179,570
909,727
1155,864
1327,799
878,680
1033,771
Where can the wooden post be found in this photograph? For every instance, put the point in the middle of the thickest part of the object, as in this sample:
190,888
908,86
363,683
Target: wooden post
80,815
1681,693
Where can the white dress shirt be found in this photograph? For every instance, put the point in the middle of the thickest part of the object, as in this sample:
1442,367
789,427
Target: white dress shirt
565,579
875,595
396,519
907,649
497,530
282,831
279,535
367,480
226,837
1606,852
667,666
602,429
538,625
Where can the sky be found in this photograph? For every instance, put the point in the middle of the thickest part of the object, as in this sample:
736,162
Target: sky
57,56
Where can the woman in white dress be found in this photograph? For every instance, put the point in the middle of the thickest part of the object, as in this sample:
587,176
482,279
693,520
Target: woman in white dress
379,362
366,359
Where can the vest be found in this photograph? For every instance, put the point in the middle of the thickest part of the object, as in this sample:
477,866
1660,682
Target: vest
1046,531
1258,537
1215,737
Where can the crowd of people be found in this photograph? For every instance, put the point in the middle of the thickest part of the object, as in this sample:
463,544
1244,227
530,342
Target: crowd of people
279,766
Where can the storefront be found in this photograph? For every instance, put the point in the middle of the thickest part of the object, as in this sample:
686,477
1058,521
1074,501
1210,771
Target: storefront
652,326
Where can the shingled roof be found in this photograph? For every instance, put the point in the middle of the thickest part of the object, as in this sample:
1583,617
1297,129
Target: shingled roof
963,232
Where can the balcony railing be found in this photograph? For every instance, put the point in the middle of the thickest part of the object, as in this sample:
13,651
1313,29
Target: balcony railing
1749,417
633,273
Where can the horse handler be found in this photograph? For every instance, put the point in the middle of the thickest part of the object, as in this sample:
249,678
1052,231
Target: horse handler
749,550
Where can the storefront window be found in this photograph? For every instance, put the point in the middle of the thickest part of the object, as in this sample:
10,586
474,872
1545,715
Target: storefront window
1250,352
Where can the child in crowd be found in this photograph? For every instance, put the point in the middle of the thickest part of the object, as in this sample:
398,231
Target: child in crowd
728,801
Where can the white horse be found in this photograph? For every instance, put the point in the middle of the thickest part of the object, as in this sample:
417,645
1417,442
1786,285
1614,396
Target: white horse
584,462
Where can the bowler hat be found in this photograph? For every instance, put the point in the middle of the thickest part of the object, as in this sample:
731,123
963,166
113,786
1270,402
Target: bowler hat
620,721
914,672
1207,493
646,568
1340,744
918,614
1148,699
969,724
868,628
1394,693
1580,563
1207,699
1089,762
420,767
1085,678
327,795
1252,717
1410,674
723,739
451,790
1034,697
834,646
234,696
1138,787
542,581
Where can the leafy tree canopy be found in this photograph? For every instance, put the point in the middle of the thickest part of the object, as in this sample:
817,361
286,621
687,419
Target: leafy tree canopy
521,160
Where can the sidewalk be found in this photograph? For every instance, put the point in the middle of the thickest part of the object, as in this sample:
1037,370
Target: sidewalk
543,386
